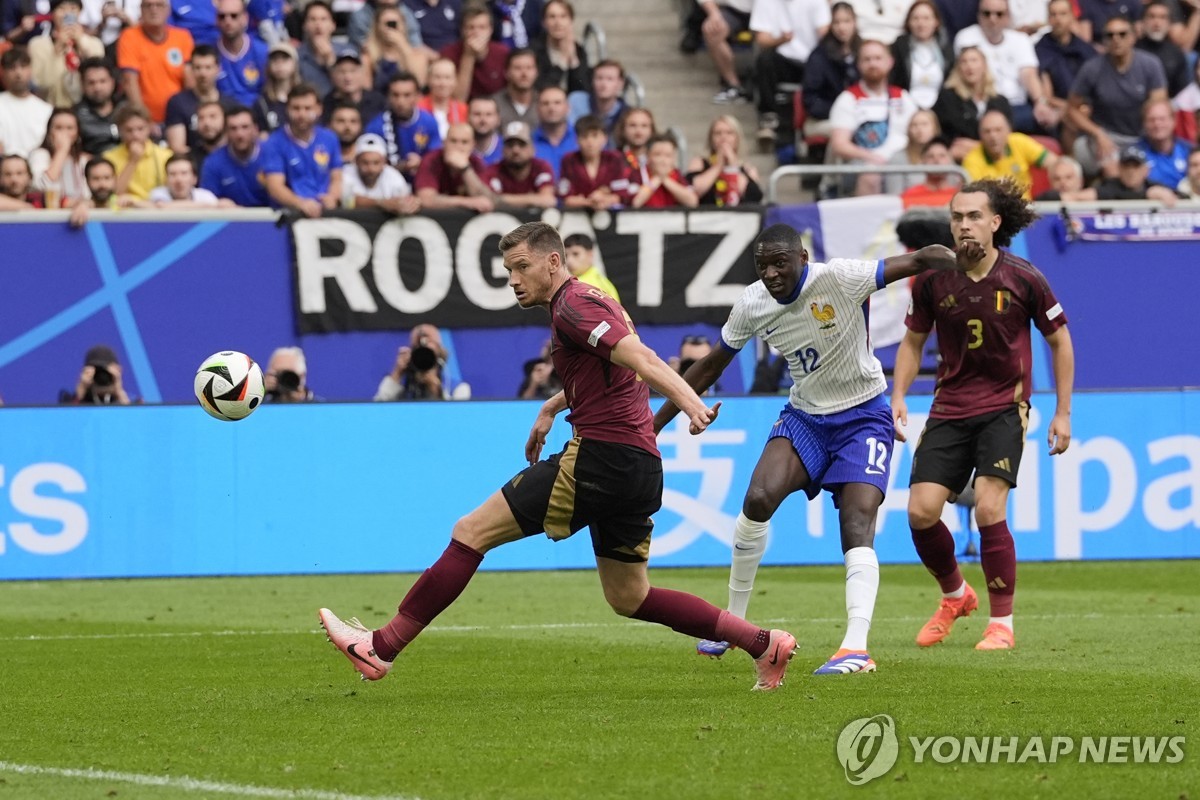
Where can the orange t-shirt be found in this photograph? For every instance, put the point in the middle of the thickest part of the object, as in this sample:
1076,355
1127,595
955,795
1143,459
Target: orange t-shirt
159,65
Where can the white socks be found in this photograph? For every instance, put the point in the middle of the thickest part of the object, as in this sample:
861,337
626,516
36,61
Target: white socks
749,544
957,593
1005,621
862,584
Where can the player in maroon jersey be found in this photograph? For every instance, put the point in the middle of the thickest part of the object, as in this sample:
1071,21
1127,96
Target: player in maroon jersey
981,404
608,477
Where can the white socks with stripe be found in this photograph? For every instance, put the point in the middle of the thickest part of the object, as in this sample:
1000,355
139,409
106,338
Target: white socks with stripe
862,584
749,544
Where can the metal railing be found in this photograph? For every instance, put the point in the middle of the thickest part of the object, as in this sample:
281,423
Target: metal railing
635,91
857,169
595,43
681,144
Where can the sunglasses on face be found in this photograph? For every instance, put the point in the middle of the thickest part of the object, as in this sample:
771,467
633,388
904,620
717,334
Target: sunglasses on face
1117,34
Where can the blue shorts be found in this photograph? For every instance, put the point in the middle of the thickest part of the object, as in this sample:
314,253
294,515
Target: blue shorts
851,446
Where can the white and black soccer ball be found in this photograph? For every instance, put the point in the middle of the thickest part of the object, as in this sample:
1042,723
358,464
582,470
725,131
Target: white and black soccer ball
229,385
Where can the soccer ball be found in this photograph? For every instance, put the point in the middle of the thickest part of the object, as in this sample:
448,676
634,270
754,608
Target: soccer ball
229,385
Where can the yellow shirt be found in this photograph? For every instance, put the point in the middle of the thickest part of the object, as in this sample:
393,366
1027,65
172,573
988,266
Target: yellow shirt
1021,154
149,173
594,277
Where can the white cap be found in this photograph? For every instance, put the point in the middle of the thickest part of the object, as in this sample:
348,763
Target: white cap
370,143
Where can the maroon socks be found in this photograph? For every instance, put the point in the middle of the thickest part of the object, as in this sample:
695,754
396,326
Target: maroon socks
999,558
691,616
434,591
935,546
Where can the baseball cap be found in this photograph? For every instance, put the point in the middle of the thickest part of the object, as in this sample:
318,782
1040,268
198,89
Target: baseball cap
1133,155
100,356
347,54
517,130
284,47
370,143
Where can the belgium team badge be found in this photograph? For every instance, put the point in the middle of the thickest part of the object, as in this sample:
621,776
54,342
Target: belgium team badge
1003,301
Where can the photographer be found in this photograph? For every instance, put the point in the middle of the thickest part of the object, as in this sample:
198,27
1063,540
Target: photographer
541,381
286,377
99,382
418,373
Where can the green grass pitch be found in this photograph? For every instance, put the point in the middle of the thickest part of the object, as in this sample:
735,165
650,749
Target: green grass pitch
529,687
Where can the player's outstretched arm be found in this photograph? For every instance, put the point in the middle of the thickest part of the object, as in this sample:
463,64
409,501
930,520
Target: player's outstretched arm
700,376
542,425
934,256
1062,359
908,363
658,375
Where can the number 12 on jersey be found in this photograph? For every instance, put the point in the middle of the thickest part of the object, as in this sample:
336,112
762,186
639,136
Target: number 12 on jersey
810,359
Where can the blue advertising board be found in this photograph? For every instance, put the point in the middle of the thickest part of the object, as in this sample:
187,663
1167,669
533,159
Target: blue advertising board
166,294
330,488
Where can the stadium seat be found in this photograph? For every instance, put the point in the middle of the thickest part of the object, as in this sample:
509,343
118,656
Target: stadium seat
804,143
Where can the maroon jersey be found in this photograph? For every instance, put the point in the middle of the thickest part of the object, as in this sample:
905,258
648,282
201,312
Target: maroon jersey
983,333
488,75
613,172
504,182
434,174
608,402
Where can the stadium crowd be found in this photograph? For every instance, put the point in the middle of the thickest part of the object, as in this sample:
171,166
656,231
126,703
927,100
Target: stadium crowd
411,104
420,104
1108,89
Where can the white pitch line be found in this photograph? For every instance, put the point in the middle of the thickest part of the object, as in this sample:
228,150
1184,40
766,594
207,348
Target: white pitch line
187,784
73,637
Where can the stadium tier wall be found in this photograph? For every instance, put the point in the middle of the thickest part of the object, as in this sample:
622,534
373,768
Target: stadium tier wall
166,294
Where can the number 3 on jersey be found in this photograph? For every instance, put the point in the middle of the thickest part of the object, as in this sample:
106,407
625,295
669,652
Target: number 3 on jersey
877,456
810,359
976,327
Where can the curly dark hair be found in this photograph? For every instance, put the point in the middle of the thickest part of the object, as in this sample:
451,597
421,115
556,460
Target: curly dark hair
1006,198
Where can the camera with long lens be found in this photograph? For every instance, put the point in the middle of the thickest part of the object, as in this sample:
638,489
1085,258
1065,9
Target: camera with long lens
101,377
288,381
423,357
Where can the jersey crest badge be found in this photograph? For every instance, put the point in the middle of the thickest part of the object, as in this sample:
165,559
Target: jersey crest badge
824,314
1003,301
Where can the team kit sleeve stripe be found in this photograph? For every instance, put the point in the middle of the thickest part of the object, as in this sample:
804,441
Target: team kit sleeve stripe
728,346
879,282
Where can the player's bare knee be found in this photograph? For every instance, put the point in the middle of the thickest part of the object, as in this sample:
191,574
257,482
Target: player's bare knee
758,504
989,510
921,518
469,531
625,600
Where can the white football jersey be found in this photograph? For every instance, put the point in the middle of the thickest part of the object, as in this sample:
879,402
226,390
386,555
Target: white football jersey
822,331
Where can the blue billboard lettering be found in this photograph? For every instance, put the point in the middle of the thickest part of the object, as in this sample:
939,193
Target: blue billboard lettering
326,488
69,517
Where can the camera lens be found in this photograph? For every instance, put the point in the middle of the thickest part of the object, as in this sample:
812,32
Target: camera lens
423,358
101,377
288,381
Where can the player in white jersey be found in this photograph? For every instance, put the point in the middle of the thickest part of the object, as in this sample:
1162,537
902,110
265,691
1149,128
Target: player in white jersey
835,433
